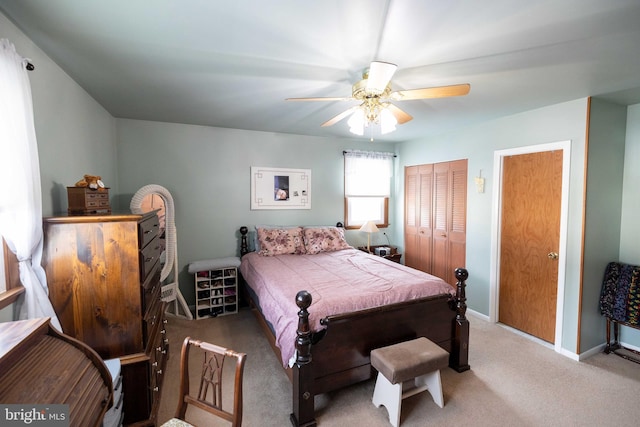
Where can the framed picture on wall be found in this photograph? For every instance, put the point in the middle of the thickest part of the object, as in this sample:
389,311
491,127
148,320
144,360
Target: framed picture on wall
280,188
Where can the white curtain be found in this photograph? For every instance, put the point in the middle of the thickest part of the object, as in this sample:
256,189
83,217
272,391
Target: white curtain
367,173
20,192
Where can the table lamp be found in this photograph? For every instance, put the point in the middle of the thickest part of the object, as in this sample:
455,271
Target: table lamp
369,227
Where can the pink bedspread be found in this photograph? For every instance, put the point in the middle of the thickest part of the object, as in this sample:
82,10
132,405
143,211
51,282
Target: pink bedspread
339,282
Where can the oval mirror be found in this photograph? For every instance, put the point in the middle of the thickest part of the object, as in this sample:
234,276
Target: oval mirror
155,197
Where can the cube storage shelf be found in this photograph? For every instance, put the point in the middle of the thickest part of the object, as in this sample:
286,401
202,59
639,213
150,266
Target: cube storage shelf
216,292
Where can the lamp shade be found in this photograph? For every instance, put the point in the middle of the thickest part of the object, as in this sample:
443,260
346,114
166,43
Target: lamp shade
379,75
387,121
369,227
356,122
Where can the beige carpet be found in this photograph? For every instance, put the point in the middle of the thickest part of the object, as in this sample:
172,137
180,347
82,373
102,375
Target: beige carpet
513,381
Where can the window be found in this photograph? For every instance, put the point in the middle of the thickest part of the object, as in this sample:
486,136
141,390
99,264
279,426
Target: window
367,187
10,286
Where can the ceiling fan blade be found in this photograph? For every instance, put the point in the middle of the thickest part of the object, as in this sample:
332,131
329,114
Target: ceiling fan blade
431,92
340,116
319,99
379,76
401,116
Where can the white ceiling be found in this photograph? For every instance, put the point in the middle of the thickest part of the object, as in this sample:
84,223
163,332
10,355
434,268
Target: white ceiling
232,63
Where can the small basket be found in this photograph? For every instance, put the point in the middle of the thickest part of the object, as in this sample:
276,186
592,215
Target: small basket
168,292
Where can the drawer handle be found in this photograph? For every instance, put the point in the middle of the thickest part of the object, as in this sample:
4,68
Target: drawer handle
155,389
159,372
166,341
148,231
163,332
148,259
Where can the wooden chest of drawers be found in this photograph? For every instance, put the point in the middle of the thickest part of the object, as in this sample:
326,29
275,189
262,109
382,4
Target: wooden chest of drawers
103,273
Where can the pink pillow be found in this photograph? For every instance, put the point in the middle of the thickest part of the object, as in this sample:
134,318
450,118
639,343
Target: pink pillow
278,241
324,239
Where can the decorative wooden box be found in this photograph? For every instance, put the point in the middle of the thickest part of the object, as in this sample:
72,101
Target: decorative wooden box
85,201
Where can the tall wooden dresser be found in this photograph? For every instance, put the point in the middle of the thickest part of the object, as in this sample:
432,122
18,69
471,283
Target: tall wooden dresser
103,273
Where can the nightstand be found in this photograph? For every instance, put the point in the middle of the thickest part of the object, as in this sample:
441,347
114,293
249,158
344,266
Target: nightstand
393,256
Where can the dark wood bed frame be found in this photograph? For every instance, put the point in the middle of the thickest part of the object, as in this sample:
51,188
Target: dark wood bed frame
338,355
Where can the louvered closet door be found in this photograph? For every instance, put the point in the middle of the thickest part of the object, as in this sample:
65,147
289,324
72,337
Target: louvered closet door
435,217
418,218
425,218
440,220
457,218
411,203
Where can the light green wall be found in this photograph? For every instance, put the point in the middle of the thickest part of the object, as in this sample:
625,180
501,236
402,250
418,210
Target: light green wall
207,171
76,135
630,225
561,122
602,211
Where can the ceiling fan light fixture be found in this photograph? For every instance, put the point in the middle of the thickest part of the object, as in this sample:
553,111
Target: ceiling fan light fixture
388,121
374,93
356,122
378,77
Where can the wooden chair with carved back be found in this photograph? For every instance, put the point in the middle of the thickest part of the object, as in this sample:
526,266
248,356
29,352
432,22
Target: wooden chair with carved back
209,394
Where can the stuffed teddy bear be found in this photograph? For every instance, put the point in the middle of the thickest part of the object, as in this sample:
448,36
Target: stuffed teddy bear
92,181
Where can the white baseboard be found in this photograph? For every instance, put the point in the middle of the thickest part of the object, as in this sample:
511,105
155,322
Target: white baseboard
600,348
478,314
571,355
629,346
591,352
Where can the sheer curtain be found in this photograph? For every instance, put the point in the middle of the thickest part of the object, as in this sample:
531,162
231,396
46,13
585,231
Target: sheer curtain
367,173
20,192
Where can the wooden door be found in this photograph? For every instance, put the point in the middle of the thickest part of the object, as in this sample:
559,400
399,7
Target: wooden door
418,217
425,218
411,200
529,240
440,219
436,217
449,218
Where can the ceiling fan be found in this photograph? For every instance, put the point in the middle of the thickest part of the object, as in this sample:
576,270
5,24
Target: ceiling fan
374,92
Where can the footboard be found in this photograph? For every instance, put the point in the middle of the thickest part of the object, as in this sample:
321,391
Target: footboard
339,355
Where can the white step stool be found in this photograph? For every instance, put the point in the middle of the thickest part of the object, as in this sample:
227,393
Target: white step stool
419,360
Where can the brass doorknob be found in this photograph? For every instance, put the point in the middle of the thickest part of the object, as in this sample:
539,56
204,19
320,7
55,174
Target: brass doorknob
552,255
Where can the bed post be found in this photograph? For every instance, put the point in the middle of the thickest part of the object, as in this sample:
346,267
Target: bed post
303,397
244,247
459,358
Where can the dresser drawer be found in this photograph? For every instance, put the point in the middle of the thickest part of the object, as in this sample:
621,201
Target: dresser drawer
148,230
151,291
149,257
158,357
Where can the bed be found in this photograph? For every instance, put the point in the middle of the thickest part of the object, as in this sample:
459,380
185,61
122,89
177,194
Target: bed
325,305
